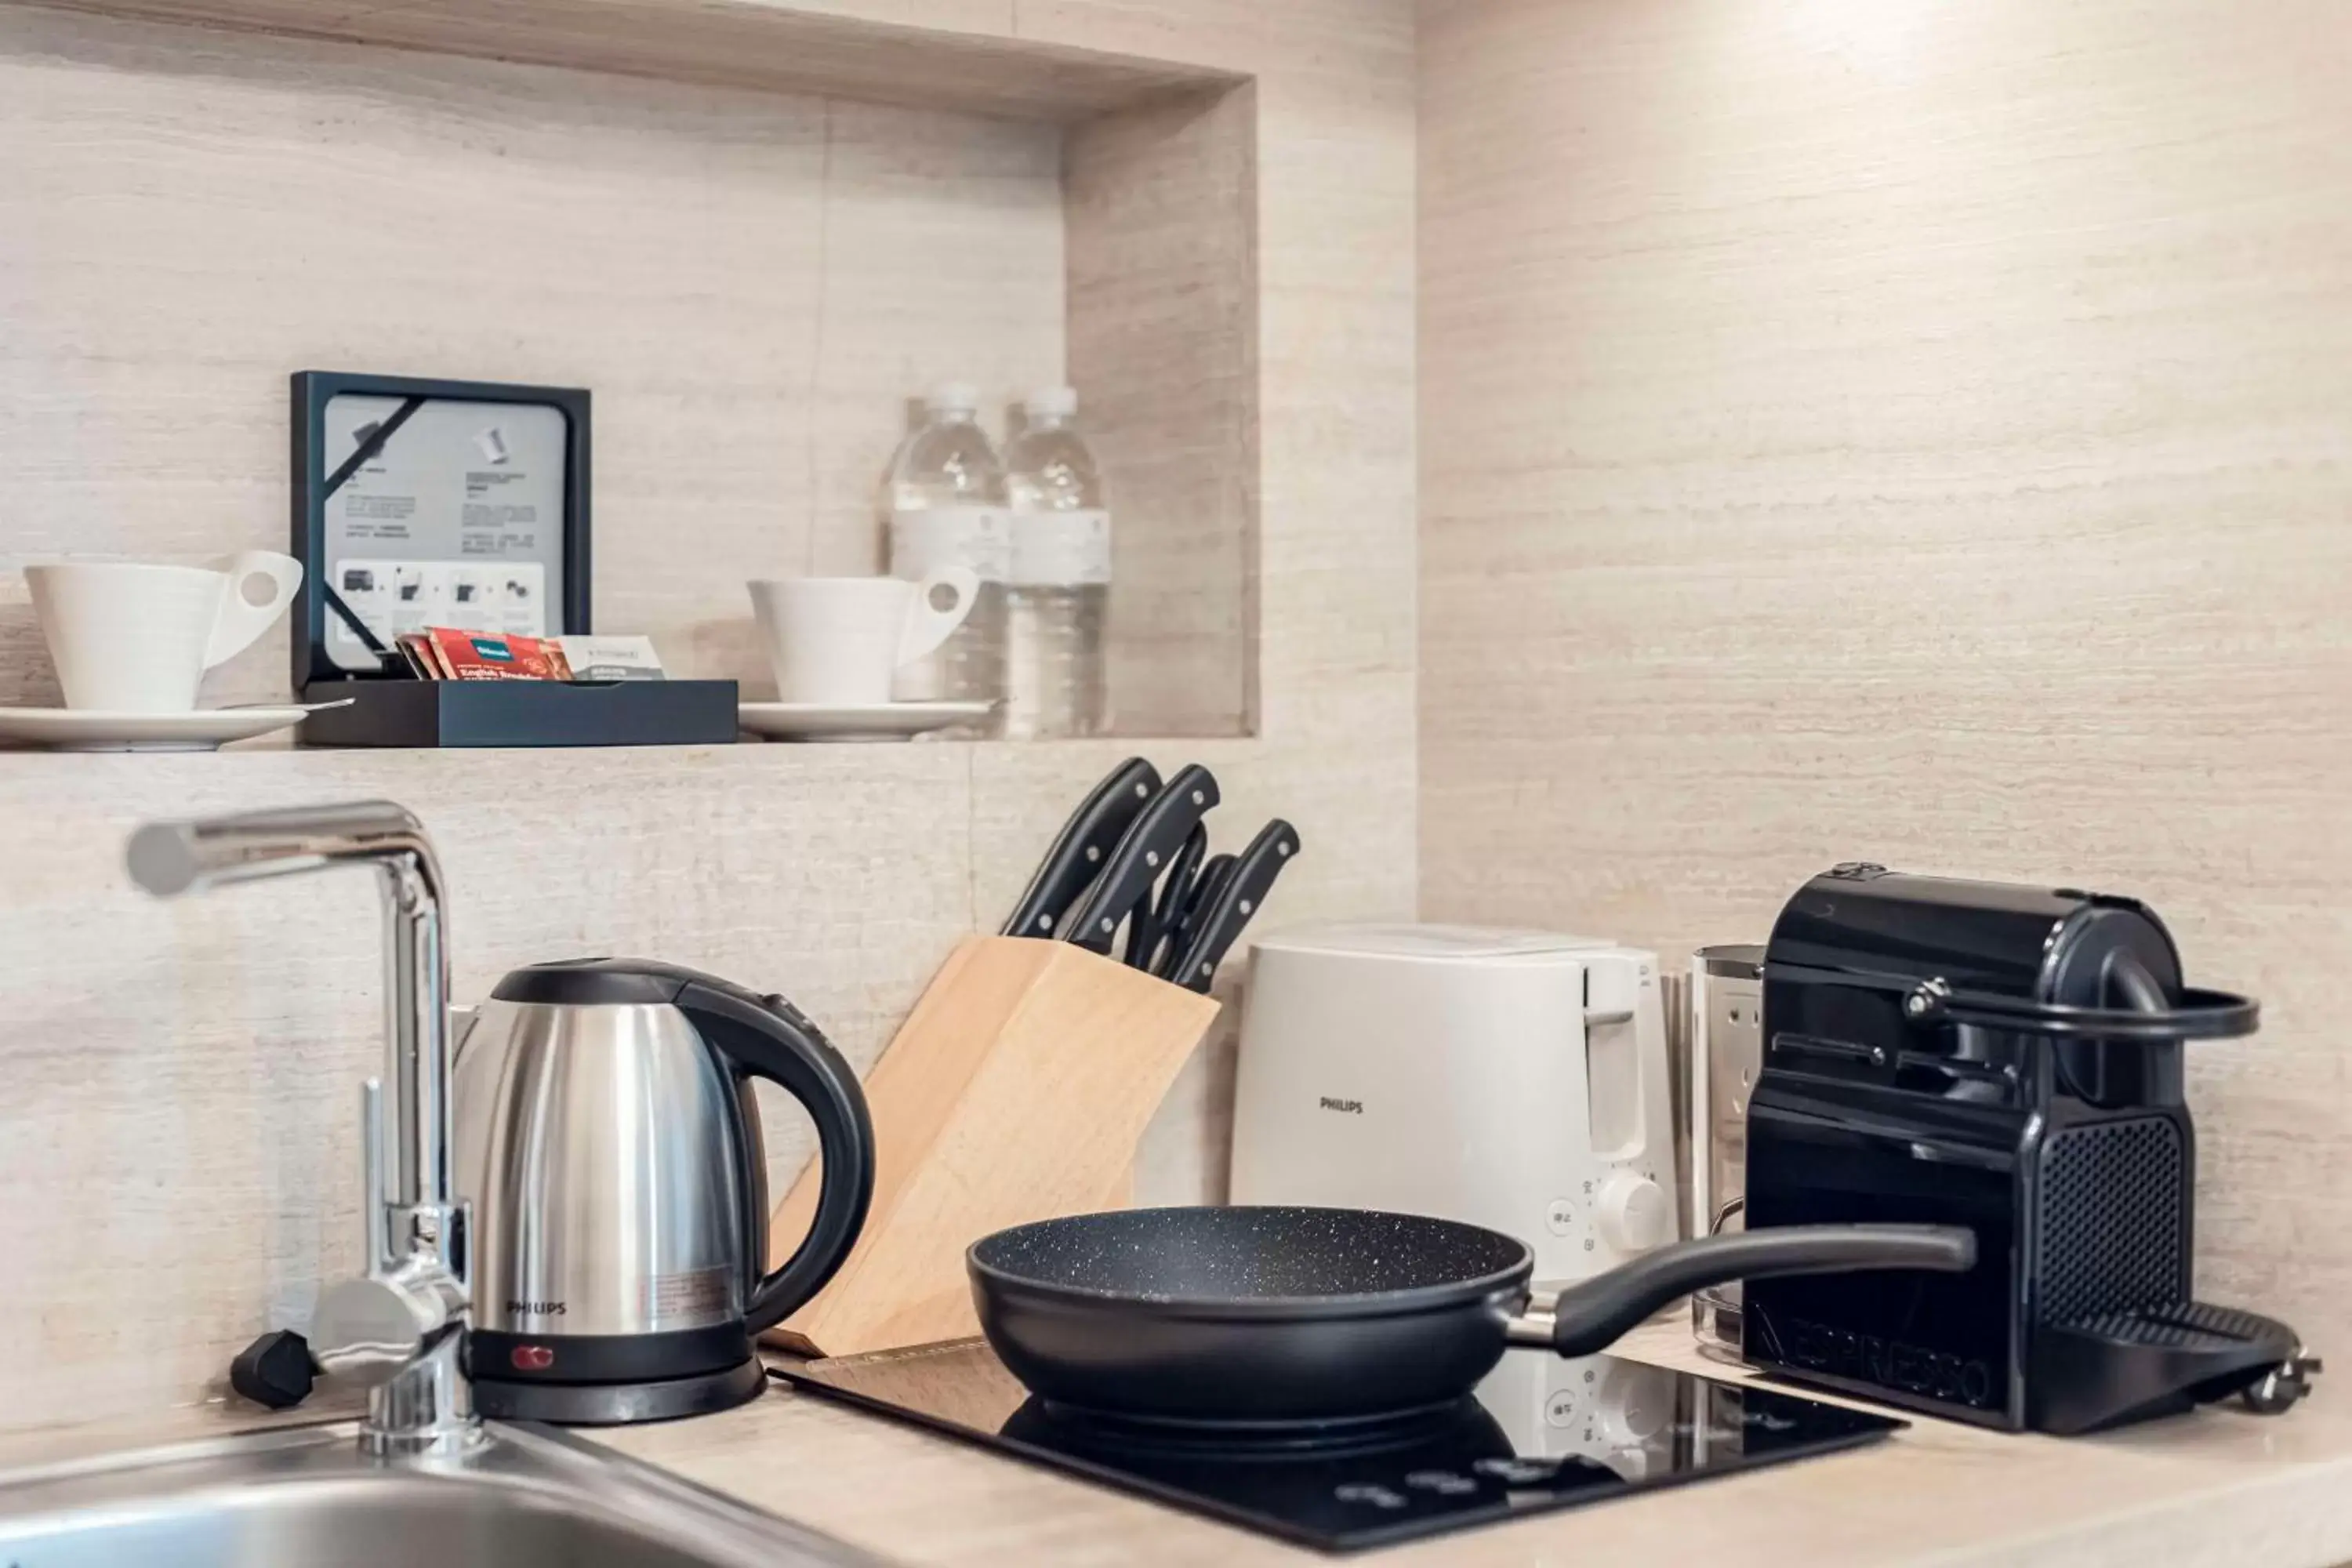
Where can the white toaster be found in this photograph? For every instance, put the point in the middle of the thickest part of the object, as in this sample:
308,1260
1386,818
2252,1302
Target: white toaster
1512,1079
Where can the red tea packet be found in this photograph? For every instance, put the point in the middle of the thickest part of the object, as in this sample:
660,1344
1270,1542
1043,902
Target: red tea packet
478,656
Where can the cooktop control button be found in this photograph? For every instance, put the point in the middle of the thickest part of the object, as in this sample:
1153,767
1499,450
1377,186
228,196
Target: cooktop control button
1560,1218
1634,1215
1377,1497
1520,1472
1444,1483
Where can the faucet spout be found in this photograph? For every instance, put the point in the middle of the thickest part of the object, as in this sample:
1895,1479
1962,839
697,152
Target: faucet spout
171,859
400,1328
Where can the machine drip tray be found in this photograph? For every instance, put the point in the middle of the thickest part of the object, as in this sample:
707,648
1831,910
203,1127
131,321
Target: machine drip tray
2120,1367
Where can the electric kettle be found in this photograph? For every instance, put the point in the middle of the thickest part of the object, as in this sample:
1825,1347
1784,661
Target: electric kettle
608,1143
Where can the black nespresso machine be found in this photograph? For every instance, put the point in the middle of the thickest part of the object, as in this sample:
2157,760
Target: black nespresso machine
2009,1059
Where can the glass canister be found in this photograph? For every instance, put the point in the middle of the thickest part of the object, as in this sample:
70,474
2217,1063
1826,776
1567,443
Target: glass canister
1726,1051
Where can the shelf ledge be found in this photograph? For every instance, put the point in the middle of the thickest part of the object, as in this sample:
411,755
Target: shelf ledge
724,43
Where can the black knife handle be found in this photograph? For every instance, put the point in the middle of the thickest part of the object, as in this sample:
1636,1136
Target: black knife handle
1154,924
1205,889
1086,841
1183,877
1243,895
1150,843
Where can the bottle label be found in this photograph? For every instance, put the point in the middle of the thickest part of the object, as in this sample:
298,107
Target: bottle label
1061,549
972,537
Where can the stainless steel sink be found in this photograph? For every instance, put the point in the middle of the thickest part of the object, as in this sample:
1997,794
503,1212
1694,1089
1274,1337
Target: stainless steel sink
310,1498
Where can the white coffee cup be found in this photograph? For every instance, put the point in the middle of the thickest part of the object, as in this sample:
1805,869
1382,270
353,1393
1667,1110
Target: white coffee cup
839,640
129,637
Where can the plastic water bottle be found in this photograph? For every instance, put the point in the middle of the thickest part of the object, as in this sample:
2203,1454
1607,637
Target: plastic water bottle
944,504
1058,594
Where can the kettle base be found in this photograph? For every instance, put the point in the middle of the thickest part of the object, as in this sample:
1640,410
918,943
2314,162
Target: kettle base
619,1404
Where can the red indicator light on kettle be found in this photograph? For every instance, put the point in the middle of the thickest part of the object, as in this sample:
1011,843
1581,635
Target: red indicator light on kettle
532,1358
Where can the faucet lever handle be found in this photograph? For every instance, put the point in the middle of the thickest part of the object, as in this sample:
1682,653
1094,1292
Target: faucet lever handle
274,1370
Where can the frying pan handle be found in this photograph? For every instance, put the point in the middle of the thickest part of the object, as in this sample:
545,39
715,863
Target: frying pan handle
1590,1316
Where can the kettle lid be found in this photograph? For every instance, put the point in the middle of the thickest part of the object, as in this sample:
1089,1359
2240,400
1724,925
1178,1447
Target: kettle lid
596,982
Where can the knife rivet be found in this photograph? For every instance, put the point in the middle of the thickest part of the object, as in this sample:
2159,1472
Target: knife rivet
1044,922
1198,798
1247,907
1094,852
1110,925
1151,858
1207,969
1284,848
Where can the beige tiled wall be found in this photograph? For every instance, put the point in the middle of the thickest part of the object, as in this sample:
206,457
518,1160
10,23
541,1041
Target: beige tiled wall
1914,432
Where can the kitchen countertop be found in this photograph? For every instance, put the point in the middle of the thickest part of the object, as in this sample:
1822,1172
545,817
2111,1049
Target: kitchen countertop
2221,1487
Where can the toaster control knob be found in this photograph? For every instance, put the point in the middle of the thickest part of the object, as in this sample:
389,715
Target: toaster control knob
1634,1215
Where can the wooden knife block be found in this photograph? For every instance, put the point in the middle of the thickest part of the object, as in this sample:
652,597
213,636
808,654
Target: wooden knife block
1017,1090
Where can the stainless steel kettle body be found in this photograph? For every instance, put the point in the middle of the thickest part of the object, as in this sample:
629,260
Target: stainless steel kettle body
607,1141
605,1149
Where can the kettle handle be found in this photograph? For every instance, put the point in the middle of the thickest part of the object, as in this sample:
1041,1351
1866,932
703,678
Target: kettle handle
776,1043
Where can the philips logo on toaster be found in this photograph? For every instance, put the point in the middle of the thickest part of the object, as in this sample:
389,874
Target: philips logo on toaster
1344,1107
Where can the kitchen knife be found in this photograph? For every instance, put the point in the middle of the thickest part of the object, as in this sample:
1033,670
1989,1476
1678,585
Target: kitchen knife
1205,888
1086,841
1154,923
1151,841
1223,917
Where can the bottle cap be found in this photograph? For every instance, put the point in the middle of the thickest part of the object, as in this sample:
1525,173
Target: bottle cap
1053,403
953,397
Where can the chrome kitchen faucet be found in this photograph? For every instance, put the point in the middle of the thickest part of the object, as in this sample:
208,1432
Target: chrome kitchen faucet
399,1330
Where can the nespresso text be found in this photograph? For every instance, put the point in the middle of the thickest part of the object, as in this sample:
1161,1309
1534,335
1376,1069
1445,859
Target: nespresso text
1870,1358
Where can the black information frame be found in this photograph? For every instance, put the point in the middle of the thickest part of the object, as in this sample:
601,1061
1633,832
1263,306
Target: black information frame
314,482
387,707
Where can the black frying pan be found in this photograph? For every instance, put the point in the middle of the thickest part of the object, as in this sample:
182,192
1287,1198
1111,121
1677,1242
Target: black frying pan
1280,1316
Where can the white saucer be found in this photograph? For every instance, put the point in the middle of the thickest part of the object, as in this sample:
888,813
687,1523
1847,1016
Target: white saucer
91,729
859,721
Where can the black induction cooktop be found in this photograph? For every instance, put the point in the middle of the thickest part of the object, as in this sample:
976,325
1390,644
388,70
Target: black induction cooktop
1541,1433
